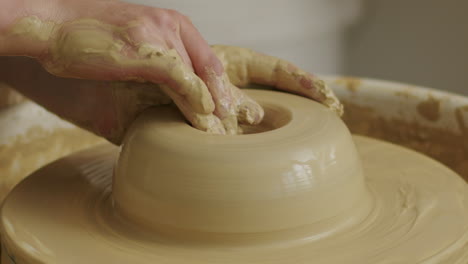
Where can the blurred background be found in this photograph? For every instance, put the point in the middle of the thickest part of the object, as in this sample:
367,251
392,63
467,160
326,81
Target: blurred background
422,42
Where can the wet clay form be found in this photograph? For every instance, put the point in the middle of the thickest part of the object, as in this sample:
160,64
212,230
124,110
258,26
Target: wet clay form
296,189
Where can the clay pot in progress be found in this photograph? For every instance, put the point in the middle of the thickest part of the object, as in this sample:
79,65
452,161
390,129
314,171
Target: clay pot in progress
297,189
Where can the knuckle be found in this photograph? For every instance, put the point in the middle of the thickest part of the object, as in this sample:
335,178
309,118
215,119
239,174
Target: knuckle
167,18
142,30
185,19
211,63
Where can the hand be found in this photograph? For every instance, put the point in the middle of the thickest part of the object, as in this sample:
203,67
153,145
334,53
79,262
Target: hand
245,66
114,41
120,41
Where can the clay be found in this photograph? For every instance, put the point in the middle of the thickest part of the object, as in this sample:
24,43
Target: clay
444,145
21,157
384,110
410,208
314,146
8,96
351,83
398,206
429,109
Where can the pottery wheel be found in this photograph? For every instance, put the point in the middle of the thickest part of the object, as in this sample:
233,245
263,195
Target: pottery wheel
300,190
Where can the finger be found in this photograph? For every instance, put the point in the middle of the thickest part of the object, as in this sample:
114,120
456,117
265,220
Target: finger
179,47
130,99
246,66
205,122
225,108
189,92
249,111
210,70
168,68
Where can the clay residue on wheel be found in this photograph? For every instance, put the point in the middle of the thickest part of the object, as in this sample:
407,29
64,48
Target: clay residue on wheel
407,94
429,109
8,96
351,83
35,148
444,145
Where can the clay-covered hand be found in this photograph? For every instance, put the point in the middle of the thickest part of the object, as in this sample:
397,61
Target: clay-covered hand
93,42
121,41
245,66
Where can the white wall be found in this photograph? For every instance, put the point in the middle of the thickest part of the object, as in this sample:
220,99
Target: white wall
422,42
306,32
416,41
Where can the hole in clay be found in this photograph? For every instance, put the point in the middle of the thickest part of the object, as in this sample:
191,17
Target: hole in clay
275,117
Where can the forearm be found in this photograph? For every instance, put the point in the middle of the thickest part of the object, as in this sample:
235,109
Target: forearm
85,103
28,77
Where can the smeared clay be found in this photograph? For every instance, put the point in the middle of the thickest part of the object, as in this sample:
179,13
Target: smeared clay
9,96
447,146
391,206
34,28
429,109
